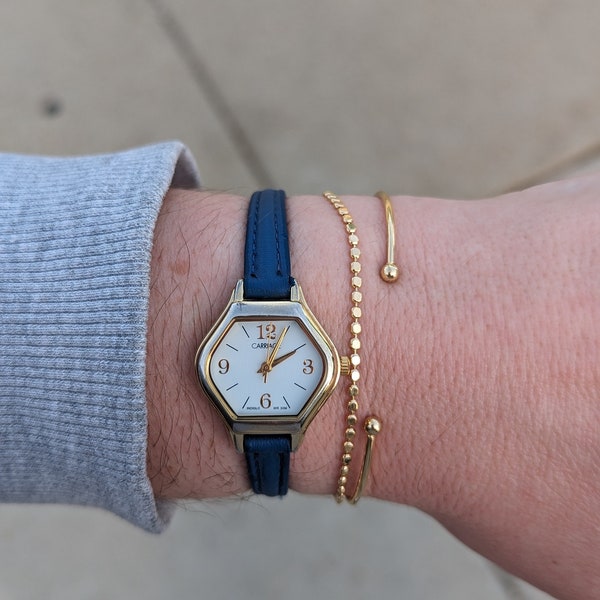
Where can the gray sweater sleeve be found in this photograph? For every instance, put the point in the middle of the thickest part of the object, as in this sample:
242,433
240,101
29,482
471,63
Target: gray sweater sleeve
75,244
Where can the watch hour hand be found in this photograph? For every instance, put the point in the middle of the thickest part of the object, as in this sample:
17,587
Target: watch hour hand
282,358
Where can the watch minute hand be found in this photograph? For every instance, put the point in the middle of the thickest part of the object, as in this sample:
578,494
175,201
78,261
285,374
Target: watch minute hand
267,366
276,349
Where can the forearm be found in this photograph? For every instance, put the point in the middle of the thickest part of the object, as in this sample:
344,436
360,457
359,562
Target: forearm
481,362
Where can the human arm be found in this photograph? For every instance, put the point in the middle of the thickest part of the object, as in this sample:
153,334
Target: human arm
481,362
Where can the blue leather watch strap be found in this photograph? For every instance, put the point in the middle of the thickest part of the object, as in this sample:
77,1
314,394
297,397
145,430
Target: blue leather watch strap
268,458
267,253
267,277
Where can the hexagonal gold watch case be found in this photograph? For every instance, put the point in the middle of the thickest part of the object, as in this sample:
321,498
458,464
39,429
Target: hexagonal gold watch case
294,309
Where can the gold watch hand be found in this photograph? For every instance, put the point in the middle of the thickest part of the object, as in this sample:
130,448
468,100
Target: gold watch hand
282,358
268,364
276,348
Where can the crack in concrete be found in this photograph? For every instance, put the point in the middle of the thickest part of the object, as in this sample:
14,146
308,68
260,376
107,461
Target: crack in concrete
215,97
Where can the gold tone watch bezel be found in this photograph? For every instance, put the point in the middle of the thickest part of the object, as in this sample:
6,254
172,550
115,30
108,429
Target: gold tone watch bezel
295,309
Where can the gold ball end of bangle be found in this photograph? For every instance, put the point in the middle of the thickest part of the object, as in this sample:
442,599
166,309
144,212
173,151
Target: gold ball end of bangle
390,272
372,426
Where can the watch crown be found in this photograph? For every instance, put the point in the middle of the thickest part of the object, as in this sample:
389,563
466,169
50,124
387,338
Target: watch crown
344,365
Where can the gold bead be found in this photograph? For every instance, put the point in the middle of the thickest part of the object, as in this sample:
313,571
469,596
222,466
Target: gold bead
353,239
351,420
354,375
356,312
355,343
355,252
355,267
389,272
342,481
346,458
357,297
355,328
353,389
356,282
350,227
341,493
347,219
350,433
345,470
342,210
355,360
352,406
348,447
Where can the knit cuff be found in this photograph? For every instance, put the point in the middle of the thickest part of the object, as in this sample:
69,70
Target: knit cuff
75,245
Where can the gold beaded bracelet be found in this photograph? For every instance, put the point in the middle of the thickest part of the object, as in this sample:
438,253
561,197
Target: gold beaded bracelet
350,366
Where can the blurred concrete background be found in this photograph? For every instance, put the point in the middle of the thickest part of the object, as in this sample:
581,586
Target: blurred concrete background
461,99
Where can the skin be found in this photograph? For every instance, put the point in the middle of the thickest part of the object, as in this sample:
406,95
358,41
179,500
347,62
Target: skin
482,361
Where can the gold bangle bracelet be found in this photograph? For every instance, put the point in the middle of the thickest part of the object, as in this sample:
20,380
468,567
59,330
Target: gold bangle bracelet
351,367
390,271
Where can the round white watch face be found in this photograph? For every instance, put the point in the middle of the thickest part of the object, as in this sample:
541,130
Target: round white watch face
267,367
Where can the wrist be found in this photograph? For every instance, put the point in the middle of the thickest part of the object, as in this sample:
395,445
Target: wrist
197,258
406,354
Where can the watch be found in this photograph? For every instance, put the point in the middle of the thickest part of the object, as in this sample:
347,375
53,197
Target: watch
267,364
